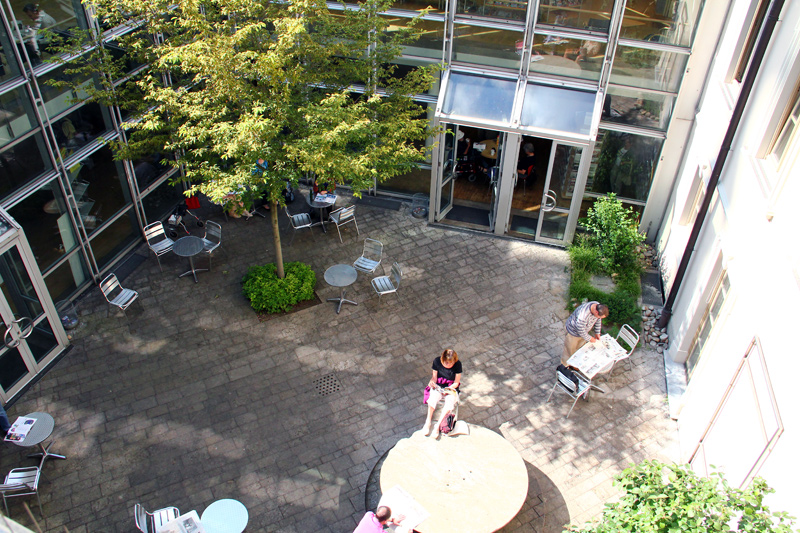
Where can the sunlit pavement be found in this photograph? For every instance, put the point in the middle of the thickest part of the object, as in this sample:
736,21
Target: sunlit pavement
192,399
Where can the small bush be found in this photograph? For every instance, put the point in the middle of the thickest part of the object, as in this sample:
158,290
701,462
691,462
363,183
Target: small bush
614,233
583,256
268,293
623,307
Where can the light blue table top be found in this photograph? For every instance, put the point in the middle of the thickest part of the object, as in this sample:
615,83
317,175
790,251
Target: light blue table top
225,516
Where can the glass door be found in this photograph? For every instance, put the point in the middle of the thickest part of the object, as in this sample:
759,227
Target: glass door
30,337
449,157
556,222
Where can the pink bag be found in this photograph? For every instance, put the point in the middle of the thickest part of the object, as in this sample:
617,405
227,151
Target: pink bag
426,395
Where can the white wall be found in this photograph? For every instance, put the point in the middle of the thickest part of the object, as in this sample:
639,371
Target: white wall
752,233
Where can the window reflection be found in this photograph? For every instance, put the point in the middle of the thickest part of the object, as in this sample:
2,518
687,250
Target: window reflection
661,22
58,100
502,9
430,41
557,109
43,216
583,14
118,53
637,107
487,46
81,127
161,201
405,65
478,97
102,186
115,238
624,165
418,5
22,163
149,168
649,69
567,57
9,67
44,27
66,279
16,115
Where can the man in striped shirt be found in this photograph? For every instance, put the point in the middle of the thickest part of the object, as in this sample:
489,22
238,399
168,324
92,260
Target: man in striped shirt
586,318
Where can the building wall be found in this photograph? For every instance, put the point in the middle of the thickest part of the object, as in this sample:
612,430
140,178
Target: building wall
749,426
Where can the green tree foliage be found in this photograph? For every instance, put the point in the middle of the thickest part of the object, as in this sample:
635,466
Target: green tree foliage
613,231
233,81
660,498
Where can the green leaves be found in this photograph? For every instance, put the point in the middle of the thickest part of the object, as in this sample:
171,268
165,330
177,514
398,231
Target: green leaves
661,498
268,293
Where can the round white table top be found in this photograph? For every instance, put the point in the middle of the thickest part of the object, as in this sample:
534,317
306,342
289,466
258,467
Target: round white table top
468,483
341,275
225,516
41,429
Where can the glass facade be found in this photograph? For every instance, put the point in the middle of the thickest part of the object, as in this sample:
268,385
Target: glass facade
58,179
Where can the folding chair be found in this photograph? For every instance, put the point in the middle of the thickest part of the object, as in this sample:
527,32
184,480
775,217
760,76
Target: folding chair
572,384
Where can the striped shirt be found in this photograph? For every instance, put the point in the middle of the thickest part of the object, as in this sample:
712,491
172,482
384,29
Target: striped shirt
581,322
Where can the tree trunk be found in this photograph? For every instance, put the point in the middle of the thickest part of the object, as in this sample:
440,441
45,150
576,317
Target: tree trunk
276,238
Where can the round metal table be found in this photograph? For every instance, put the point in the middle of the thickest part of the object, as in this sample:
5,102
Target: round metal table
321,206
225,516
189,246
472,483
39,432
341,276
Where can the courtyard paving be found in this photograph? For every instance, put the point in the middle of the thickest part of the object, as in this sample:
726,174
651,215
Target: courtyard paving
192,399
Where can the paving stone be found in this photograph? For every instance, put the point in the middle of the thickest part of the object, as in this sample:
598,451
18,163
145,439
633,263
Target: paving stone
192,398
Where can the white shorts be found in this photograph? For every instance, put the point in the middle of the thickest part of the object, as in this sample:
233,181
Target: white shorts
436,396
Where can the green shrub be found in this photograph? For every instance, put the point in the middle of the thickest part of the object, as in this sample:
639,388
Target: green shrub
583,255
613,231
623,307
268,293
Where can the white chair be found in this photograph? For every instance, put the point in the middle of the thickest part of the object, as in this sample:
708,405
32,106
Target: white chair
298,222
212,239
150,522
342,216
388,284
370,258
157,240
115,294
576,388
629,337
22,482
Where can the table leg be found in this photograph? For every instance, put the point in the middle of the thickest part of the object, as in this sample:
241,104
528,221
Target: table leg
342,300
193,270
322,219
45,453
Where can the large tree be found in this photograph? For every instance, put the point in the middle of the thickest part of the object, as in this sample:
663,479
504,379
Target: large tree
230,82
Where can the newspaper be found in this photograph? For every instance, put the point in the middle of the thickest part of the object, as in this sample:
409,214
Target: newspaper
402,503
325,198
187,523
19,430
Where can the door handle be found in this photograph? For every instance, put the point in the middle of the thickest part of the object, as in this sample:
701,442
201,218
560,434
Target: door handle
17,331
550,200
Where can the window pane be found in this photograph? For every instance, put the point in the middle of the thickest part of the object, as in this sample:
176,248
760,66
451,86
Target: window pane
584,14
649,69
81,127
638,107
43,216
624,164
66,279
567,57
479,97
56,101
501,9
429,44
22,163
148,169
416,181
114,238
9,68
661,21
161,201
557,109
16,115
405,65
486,46
117,52
58,21
419,5
106,189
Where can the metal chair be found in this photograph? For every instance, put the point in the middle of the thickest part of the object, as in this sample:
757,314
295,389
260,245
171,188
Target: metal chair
298,222
629,336
22,482
212,239
117,295
150,522
342,216
572,384
388,284
371,256
157,240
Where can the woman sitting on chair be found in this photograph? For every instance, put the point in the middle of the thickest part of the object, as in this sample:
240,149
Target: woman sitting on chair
444,384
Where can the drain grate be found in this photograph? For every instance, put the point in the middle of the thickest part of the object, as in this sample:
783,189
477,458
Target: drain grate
327,384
